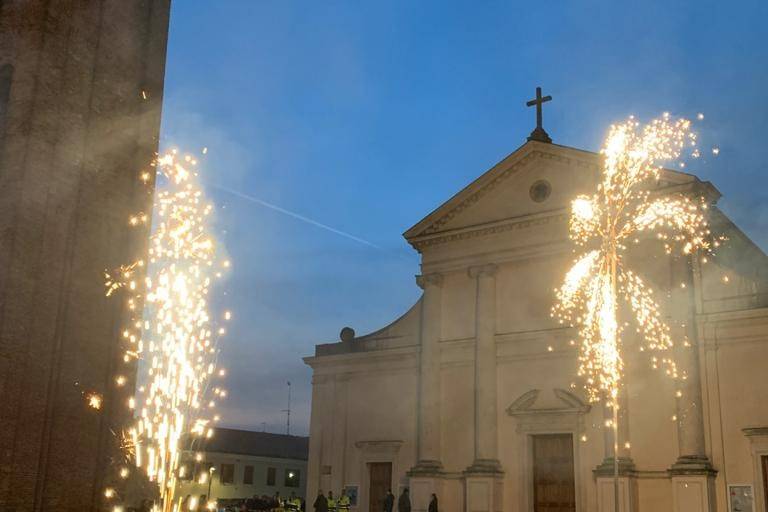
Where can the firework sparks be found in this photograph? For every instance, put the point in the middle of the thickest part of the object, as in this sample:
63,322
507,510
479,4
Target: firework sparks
172,331
623,209
94,400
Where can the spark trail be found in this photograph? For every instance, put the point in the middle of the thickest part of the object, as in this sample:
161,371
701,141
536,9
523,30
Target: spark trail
171,330
621,210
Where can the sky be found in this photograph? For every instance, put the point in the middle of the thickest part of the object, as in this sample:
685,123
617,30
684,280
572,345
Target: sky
332,127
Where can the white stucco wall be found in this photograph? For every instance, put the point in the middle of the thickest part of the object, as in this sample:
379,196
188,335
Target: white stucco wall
365,405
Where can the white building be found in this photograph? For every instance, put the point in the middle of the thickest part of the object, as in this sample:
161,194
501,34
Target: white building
239,464
469,394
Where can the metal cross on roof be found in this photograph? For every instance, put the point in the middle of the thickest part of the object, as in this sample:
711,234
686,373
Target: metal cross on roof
538,133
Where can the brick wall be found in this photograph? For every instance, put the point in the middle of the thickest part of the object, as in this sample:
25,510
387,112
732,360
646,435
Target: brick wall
75,131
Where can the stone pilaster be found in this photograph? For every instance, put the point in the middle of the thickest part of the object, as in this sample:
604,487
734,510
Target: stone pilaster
626,465
692,474
605,473
484,478
486,438
429,377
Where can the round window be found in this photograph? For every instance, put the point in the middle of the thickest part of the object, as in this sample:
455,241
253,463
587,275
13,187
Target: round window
540,191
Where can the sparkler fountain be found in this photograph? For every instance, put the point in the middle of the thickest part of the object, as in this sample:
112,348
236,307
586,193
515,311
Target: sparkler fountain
600,282
171,330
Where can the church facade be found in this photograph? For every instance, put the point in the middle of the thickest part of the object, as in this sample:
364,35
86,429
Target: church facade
472,394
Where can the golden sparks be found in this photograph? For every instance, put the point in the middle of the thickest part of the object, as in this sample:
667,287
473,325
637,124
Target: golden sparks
172,331
602,225
95,400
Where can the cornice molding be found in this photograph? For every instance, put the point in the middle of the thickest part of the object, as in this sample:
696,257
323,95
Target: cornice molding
379,446
363,356
755,431
491,228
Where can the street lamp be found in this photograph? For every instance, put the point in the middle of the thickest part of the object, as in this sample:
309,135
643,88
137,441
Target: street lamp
210,479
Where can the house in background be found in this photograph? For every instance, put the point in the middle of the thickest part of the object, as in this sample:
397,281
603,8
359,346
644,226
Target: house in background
238,464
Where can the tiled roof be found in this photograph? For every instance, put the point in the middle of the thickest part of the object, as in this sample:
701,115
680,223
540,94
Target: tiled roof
264,444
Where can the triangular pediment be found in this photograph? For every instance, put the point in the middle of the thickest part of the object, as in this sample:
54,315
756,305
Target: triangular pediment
537,179
550,401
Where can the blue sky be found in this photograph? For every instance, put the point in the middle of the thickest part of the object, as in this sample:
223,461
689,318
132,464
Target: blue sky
365,116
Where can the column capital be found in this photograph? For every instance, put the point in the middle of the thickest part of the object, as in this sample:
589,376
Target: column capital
433,279
487,270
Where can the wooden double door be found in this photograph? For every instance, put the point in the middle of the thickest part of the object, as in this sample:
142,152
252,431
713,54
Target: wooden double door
380,481
554,488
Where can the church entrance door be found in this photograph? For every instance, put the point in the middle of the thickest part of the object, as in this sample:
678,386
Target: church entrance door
764,460
380,474
553,479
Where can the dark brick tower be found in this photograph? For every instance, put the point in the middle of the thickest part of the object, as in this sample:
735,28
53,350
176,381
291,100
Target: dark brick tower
81,85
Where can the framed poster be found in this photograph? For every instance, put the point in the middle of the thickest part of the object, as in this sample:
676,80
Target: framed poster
352,493
740,498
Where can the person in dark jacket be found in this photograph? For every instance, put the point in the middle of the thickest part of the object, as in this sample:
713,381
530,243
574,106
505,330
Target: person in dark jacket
433,504
321,504
404,502
389,501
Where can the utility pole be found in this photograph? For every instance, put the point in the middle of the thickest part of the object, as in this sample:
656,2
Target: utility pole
288,412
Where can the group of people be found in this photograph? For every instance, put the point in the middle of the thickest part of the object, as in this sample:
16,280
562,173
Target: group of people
276,502
329,504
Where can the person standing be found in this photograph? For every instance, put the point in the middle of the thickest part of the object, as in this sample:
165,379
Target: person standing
404,502
343,503
294,503
331,502
433,504
321,503
389,501
289,503
278,500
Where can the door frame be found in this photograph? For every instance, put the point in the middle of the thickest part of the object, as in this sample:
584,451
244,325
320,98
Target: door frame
568,419
370,452
758,444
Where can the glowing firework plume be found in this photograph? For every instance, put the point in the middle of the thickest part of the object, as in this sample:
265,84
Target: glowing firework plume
173,333
621,211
